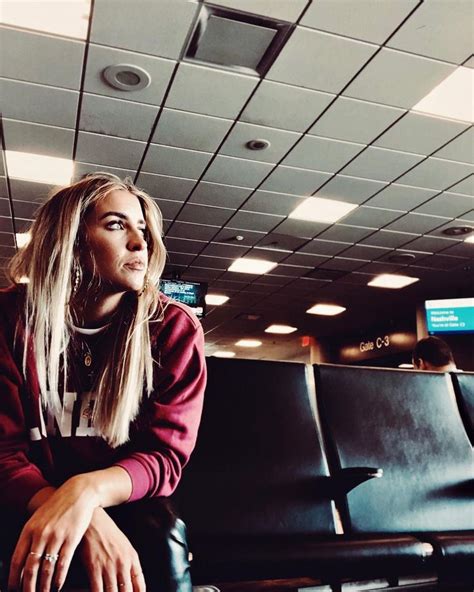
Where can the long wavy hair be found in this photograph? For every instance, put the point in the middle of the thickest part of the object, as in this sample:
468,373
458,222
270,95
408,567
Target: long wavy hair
52,263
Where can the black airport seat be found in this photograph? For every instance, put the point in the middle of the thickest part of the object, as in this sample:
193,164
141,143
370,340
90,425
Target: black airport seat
407,425
464,389
256,495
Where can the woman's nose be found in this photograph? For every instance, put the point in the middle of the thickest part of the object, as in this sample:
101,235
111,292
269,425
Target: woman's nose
137,241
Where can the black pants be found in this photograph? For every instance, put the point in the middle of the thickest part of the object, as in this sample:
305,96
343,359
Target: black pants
156,533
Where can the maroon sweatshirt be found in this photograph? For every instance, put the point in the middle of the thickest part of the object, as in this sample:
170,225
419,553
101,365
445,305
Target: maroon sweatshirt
38,449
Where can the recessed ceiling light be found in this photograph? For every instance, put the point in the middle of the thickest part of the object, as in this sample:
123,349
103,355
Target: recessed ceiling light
68,18
223,354
393,281
248,343
469,239
457,230
319,209
258,144
216,299
328,310
406,366
452,98
281,329
39,168
249,265
22,239
126,77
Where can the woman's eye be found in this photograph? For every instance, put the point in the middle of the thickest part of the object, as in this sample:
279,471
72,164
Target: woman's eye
115,225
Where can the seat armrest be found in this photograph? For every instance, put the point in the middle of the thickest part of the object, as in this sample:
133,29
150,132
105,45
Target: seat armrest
347,479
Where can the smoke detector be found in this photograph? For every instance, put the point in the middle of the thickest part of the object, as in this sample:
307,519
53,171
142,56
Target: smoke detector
126,77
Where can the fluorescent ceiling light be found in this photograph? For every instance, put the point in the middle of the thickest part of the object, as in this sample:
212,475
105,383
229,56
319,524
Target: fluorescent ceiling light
223,354
395,282
22,239
249,265
68,18
39,168
452,98
281,329
469,239
248,343
406,366
327,310
318,209
216,299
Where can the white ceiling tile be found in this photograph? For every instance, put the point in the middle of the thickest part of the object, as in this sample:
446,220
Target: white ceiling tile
83,168
460,250
401,197
253,221
469,63
355,121
169,208
284,106
286,10
443,262
176,162
32,57
281,242
416,223
460,149
216,194
224,250
306,259
438,29
398,79
190,130
199,214
350,189
237,171
99,58
209,91
3,189
324,247
381,164
421,134
468,216
166,187
268,202
38,139
435,173
343,264
449,205
97,149
222,263
249,237
370,20
345,233
450,224
429,244
199,232
322,154
39,104
157,28
296,181
113,117
280,142
388,239
300,228
30,191
338,59
365,252
182,245
466,187
25,209
371,217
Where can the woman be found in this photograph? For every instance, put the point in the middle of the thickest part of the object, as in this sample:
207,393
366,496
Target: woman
101,387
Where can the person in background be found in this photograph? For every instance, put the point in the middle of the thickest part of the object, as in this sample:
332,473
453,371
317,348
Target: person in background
432,353
101,382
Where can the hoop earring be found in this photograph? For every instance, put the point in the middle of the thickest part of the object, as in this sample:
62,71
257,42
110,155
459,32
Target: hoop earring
77,278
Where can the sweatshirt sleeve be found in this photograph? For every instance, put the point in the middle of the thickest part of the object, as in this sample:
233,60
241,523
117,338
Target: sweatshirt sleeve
167,432
19,478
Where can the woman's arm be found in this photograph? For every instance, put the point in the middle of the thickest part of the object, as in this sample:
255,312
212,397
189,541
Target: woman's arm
61,519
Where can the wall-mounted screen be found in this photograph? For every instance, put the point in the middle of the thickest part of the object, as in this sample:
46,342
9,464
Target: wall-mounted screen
451,315
190,293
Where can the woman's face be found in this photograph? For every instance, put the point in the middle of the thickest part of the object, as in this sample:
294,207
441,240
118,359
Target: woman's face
116,231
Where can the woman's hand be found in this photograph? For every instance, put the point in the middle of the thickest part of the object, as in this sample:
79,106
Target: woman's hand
48,540
111,562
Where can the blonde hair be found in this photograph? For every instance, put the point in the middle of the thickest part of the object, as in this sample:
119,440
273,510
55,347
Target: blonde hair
51,262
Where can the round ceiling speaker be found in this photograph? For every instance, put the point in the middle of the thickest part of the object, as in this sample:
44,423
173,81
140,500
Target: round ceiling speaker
126,77
258,144
458,230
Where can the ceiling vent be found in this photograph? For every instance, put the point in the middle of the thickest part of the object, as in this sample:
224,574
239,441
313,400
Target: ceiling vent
325,274
239,41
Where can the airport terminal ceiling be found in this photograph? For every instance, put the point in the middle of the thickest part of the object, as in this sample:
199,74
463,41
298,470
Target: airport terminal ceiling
237,116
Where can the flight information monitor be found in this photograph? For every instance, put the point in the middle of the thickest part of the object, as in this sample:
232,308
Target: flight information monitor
190,293
451,315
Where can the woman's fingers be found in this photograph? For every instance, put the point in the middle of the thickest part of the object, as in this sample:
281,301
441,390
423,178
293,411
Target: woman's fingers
47,569
138,580
20,558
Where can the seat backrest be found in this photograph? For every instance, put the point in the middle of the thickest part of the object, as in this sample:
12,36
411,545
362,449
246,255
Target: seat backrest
258,459
464,388
408,424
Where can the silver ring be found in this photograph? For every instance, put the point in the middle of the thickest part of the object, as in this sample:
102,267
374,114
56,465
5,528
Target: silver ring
51,557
